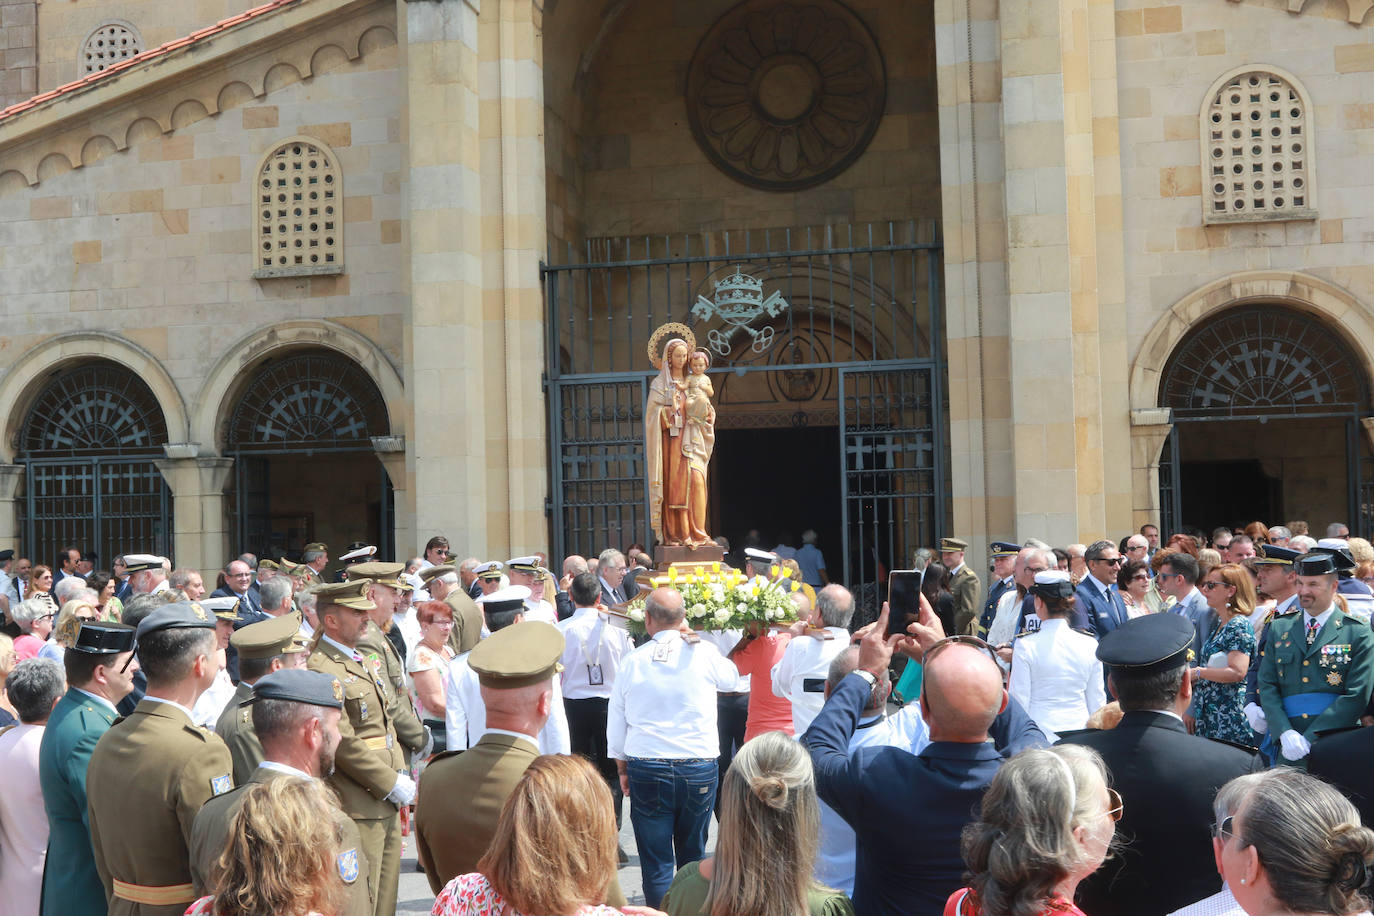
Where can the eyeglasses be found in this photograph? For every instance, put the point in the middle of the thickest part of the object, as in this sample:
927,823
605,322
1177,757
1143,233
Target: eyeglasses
1223,830
1208,586
1114,561
44,617
1144,577
1116,807
242,575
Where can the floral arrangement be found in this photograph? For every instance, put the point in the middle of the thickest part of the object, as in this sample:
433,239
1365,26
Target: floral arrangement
723,599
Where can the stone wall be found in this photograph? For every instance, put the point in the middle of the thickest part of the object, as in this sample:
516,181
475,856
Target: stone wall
18,51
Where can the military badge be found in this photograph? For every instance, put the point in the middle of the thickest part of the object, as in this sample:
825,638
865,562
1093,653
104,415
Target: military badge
198,611
338,690
348,865
1333,678
221,784
362,710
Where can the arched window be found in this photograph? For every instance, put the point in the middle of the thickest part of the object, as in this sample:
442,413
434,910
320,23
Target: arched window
300,211
88,445
315,400
1262,360
1256,134
110,43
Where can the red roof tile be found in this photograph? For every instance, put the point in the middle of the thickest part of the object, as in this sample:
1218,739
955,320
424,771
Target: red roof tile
148,55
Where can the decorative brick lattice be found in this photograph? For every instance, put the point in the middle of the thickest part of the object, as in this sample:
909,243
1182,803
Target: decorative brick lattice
1255,148
108,45
300,212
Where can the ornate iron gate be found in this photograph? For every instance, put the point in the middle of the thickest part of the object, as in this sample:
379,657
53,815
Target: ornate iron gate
88,446
856,343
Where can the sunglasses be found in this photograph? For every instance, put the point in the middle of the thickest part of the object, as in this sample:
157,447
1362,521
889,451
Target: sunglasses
1208,586
1116,807
1223,830
962,640
1115,561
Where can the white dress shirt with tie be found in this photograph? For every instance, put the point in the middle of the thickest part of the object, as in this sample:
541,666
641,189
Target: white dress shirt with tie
805,663
663,705
592,650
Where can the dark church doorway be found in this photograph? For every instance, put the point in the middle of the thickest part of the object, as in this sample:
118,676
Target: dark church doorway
781,482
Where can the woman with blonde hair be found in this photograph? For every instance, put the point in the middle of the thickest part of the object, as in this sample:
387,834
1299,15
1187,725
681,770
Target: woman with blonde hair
68,623
1219,678
1047,822
766,850
1297,846
282,855
554,851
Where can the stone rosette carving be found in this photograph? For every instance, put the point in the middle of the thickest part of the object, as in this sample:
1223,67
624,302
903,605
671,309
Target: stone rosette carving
784,96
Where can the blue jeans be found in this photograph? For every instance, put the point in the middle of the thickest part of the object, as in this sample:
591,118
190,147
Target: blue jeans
670,810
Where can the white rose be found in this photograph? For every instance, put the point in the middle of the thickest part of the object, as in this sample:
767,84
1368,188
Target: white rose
722,615
743,591
637,615
698,610
742,608
718,592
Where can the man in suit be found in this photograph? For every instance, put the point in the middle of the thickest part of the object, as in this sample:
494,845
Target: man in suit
264,647
1177,578
100,672
1318,667
1167,777
1003,567
963,584
296,714
908,811
462,793
611,568
150,773
369,774
1097,591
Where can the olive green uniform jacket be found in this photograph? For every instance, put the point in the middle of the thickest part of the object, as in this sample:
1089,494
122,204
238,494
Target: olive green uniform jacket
410,731
235,727
966,588
210,835
149,776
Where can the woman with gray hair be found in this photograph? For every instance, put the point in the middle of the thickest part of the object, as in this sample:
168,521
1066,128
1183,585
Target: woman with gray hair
1297,846
1047,822
766,850
35,685
34,617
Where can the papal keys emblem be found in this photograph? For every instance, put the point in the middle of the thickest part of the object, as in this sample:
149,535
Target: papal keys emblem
738,301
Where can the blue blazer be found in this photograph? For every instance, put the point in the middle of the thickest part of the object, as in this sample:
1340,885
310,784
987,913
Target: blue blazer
1103,615
907,810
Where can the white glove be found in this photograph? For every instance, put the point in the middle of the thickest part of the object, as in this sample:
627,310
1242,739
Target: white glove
1295,746
403,793
429,743
1254,714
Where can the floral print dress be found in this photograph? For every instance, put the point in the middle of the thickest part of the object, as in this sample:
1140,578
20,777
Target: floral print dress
1220,708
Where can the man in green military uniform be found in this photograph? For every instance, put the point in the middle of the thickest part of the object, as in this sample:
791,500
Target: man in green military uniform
378,642
467,617
150,773
1318,667
263,647
100,672
963,584
369,772
296,715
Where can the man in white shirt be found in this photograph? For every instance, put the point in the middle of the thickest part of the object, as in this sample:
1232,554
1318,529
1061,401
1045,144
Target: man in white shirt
592,652
661,730
465,715
799,676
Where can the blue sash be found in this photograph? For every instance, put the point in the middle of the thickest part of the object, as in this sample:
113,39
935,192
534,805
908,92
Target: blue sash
1299,704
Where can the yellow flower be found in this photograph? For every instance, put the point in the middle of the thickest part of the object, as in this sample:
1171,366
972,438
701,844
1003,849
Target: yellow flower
786,572
672,575
796,586
715,569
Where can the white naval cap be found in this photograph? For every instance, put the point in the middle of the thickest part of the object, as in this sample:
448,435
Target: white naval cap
510,598
365,551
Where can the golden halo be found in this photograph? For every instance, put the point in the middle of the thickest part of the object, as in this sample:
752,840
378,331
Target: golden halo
671,329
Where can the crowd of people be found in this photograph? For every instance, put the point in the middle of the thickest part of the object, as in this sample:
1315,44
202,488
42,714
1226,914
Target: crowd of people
1123,727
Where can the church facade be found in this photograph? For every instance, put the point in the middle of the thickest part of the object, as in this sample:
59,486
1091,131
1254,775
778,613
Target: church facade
380,269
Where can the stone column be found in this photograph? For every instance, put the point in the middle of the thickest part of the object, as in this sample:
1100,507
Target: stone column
1068,370
10,535
455,409
200,535
391,451
1149,428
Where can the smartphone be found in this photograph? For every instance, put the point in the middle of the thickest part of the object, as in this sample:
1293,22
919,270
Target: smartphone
903,599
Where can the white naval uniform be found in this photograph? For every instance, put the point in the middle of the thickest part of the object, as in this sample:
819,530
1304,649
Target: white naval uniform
1056,677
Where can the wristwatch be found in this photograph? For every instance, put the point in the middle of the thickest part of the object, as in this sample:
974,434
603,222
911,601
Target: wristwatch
867,676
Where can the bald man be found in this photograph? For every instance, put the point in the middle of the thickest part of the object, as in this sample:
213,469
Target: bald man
907,810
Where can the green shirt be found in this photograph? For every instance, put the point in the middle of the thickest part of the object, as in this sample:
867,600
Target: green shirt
687,896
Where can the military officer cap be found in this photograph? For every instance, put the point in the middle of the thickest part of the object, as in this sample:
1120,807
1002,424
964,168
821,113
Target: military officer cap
225,607
1052,583
1270,555
434,572
1333,544
488,570
139,562
101,638
520,655
762,556
299,685
289,567
1148,645
1004,549
351,594
951,544
179,615
6,555
510,598
316,545
268,564
359,551
523,564
1323,562
270,638
388,574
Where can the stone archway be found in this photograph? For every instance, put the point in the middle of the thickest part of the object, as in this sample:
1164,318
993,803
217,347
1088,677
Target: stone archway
1152,421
